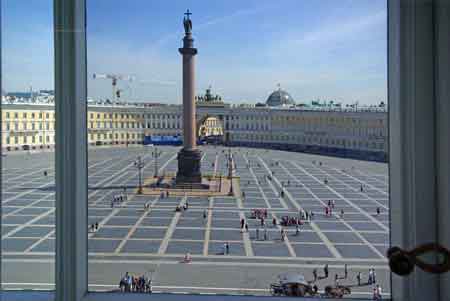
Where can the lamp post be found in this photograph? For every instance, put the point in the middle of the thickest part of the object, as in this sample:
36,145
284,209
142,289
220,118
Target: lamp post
230,171
139,164
155,156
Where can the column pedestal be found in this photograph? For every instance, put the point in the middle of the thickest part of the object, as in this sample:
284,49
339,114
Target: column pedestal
189,167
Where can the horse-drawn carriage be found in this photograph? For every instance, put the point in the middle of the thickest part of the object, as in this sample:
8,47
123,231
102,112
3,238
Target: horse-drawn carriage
291,284
337,291
294,285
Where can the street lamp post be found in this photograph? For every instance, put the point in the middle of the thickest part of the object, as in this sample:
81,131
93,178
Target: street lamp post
139,164
155,155
230,171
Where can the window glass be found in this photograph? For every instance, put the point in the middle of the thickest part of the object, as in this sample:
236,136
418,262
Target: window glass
27,174
310,198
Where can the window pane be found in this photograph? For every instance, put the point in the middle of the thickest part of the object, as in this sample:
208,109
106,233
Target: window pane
298,101
28,186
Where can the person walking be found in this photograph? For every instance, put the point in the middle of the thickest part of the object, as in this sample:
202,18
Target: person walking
227,247
282,234
242,223
374,294
370,280
265,233
257,233
345,271
315,274
374,276
204,214
358,278
297,230
342,213
378,291
246,227
325,270
274,222
378,211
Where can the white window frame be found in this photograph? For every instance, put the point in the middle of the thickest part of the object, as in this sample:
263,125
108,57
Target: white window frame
419,91
418,87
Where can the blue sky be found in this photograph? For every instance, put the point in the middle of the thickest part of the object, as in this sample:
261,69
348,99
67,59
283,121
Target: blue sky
327,49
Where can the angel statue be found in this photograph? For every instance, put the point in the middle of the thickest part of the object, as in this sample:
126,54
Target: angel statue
187,23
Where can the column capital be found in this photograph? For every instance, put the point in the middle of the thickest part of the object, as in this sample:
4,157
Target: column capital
188,51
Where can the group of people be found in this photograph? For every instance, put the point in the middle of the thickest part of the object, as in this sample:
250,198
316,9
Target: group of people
306,215
164,194
259,213
291,221
329,208
93,227
377,295
377,292
371,279
118,199
226,248
130,283
183,207
265,235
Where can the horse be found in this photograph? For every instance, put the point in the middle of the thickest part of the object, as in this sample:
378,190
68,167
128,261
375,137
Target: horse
337,291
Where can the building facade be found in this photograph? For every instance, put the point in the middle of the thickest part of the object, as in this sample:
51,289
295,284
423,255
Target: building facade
357,133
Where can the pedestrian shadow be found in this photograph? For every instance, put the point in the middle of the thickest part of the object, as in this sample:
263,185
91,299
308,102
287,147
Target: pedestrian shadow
112,187
46,188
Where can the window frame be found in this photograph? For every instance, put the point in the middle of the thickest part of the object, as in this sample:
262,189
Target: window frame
418,43
410,90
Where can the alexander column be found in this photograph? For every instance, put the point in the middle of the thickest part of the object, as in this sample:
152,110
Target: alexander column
189,156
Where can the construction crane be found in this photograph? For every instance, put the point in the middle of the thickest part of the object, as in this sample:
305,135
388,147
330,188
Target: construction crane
114,78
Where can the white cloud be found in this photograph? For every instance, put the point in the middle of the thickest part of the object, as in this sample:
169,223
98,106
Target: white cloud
340,31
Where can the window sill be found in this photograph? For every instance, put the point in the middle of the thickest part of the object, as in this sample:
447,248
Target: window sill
19,295
50,296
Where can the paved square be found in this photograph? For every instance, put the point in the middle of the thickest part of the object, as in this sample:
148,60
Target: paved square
132,239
